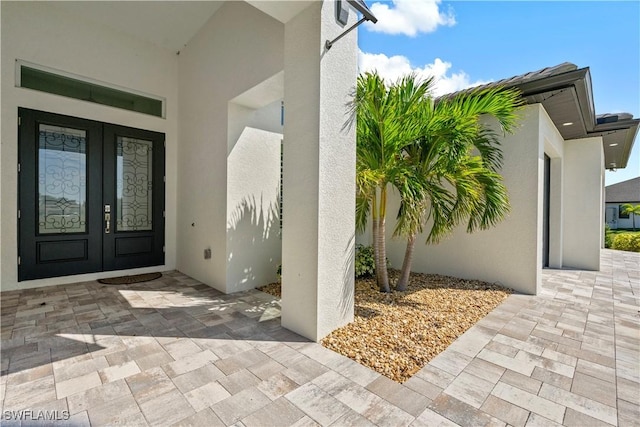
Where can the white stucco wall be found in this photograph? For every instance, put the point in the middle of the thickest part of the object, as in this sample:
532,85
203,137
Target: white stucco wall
583,221
236,50
40,33
253,189
319,174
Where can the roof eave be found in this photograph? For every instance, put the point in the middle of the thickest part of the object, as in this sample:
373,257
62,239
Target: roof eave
630,127
579,79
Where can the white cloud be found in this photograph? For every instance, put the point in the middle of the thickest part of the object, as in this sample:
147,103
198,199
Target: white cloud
409,17
394,67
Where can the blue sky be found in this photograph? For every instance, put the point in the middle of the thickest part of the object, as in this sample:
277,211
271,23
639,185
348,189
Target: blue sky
463,43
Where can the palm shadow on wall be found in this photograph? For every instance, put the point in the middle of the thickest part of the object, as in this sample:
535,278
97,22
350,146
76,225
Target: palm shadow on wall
254,246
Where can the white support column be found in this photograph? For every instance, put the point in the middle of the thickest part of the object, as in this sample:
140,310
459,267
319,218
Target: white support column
584,163
318,236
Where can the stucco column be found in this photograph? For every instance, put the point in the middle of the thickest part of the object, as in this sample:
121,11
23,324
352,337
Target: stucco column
583,221
319,174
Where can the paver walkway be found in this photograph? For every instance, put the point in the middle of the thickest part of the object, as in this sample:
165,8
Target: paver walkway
174,351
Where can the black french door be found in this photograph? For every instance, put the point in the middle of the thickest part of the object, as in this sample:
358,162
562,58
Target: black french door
91,196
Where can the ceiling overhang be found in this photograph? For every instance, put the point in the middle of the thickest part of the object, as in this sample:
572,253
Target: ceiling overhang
566,94
168,24
283,11
618,137
568,99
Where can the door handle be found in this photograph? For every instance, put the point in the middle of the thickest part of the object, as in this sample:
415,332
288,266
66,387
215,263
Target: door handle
107,219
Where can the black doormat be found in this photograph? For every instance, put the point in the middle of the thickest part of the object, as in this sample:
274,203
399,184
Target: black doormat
127,280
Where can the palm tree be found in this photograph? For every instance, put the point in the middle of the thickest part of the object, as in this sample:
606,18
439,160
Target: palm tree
456,161
439,156
386,126
629,209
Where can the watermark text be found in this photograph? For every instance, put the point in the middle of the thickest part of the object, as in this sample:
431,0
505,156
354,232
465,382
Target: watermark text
35,415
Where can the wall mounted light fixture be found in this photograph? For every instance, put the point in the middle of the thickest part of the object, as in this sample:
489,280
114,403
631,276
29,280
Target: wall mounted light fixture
342,15
342,12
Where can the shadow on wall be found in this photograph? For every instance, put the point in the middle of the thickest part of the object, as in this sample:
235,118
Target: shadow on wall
254,245
348,288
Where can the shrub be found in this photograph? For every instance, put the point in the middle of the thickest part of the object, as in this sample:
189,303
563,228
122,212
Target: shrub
279,272
626,242
608,237
365,264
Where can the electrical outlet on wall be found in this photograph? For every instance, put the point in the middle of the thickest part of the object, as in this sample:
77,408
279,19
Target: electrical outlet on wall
207,253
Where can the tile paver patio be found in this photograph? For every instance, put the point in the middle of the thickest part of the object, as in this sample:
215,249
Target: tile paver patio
174,351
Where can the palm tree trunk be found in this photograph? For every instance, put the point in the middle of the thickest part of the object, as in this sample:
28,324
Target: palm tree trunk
403,281
382,274
375,232
381,262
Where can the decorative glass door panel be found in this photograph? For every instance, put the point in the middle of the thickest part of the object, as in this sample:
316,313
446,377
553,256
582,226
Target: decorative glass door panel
62,176
134,184
78,176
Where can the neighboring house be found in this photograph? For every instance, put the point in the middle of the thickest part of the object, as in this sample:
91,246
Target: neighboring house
554,171
617,195
146,136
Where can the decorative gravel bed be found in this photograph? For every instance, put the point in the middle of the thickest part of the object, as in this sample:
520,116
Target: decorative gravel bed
398,333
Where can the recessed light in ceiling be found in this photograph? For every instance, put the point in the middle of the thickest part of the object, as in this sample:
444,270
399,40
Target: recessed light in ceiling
567,124
613,145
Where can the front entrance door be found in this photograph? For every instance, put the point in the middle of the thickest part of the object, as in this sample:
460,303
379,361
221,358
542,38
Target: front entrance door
91,196
611,217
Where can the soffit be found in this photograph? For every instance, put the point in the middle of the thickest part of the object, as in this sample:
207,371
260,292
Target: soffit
563,107
282,10
618,139
168,24
565,93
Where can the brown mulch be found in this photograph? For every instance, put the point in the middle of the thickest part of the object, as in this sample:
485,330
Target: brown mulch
398,333
274,289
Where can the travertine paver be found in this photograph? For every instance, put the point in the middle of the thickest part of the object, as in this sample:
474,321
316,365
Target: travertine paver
400,395
174,351
149,384
241,405
279,412
96,396
512,414
317,403
206,395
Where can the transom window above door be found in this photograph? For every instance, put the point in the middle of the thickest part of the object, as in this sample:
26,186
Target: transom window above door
57,82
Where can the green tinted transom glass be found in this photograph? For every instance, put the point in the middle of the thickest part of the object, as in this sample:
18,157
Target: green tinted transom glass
73,88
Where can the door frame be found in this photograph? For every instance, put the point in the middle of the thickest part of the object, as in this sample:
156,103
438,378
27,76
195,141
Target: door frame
546,211
99,152
115,256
